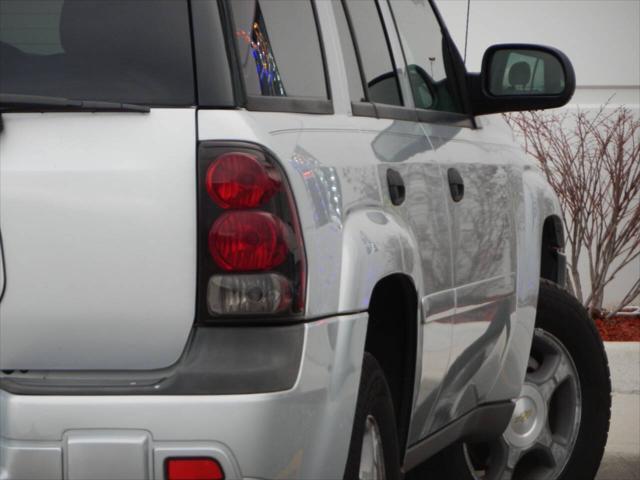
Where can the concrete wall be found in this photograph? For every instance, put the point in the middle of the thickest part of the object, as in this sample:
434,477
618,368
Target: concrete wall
601,37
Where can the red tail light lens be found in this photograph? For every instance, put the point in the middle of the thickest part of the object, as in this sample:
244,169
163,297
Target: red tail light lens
251,260
240,180
242,241
193,469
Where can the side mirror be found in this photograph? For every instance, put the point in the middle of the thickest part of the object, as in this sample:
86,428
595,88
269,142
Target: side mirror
518,77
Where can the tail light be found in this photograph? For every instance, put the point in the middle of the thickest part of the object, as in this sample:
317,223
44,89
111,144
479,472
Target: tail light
250,258
241,241
240,180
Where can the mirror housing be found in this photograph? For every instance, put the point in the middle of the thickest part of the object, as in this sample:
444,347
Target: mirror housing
517,77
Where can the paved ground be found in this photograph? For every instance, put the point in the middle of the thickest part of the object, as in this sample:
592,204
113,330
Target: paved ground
624,363
622,455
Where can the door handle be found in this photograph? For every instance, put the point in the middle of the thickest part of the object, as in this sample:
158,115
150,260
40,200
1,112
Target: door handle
396,187
456,184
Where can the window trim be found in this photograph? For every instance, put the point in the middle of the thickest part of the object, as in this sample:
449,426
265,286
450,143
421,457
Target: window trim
460,84
266,103
214,84
260,103
354,41
394,65
445,118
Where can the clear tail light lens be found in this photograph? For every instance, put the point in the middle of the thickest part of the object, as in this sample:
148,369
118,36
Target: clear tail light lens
267,293
251,258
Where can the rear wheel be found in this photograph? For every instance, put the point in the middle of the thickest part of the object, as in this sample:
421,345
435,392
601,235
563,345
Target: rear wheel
561,420
373,453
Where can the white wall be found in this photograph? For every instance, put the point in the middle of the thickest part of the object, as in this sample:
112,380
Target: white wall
601,37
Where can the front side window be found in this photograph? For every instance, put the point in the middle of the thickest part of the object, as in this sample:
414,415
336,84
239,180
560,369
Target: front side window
129,51
379,70
424,49
279,48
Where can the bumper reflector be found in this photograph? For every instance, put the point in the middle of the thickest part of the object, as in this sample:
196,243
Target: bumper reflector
193,469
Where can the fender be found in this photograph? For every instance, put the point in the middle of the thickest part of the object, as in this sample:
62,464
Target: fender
535,201
538,203
376,244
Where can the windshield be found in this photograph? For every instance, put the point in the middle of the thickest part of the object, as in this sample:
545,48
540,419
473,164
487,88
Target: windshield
128,51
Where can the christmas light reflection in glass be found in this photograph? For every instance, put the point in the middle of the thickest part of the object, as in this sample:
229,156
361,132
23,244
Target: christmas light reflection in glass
260,48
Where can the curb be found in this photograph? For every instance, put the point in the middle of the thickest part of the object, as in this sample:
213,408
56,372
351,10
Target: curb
624,363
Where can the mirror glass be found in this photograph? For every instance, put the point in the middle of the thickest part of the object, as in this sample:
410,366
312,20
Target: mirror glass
525,72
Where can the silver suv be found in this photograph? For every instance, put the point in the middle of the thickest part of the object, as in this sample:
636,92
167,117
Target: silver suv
281,239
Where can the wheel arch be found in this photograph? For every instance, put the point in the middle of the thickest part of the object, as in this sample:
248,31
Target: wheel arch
381,273
392,338
552,260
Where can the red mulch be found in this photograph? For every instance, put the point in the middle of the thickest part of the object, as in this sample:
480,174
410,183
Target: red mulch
619,329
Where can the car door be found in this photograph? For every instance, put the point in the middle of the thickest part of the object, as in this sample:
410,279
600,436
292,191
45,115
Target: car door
475,173
385,114
97,208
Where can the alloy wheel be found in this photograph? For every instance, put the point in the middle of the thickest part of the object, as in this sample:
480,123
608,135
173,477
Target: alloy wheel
544,427
372,457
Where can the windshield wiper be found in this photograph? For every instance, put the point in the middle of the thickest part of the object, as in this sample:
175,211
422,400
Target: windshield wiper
13,102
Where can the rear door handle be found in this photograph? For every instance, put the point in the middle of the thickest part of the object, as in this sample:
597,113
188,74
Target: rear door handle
456,184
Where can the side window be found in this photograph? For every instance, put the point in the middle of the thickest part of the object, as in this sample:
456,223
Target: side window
423,45
379,70
356,90
279,48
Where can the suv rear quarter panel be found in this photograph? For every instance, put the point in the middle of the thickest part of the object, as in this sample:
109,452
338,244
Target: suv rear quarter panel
352,236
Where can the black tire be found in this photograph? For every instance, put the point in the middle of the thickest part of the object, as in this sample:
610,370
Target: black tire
374,399
560,314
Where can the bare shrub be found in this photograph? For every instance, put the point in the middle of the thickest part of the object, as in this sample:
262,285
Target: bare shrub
592,161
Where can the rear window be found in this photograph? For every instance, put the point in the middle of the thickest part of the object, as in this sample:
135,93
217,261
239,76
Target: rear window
132,51
279,48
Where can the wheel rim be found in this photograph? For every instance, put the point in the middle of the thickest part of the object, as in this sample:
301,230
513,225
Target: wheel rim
371,458
544,427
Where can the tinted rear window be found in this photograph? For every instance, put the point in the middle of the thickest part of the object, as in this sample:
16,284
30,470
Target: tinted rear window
279,48
134,51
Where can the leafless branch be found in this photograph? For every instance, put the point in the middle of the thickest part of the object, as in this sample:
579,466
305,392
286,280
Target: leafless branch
592,161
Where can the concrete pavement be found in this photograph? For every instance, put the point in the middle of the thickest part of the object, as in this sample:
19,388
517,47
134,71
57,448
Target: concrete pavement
622,455
624,363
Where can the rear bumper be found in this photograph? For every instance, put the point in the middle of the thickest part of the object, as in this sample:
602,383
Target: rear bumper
303,432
